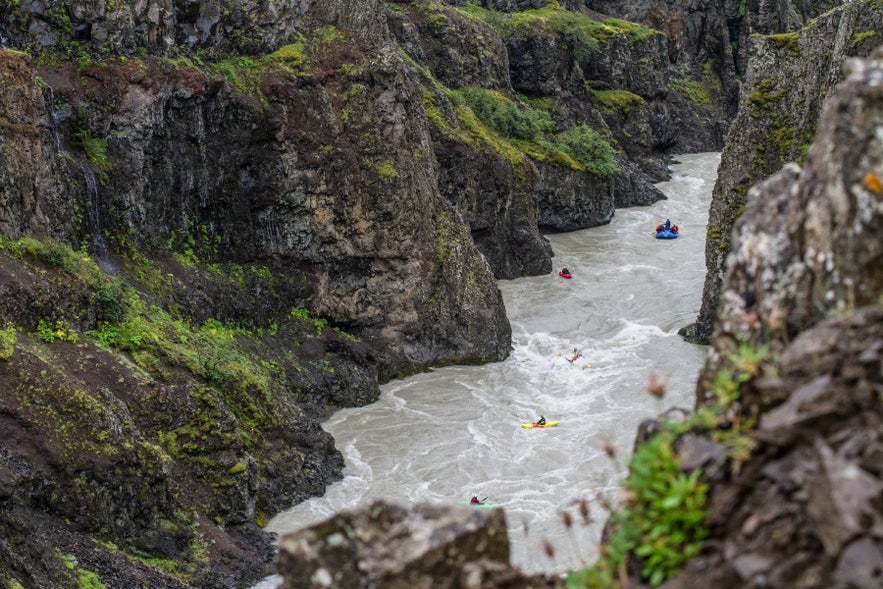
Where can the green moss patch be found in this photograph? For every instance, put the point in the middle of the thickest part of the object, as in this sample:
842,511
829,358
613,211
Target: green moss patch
616,102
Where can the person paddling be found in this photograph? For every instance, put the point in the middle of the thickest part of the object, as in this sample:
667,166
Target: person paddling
541,420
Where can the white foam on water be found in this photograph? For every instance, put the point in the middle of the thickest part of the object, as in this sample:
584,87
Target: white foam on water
454,432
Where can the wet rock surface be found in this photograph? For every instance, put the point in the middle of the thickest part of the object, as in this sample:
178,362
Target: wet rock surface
383,545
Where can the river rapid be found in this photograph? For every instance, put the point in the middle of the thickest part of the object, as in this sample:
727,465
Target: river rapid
454,432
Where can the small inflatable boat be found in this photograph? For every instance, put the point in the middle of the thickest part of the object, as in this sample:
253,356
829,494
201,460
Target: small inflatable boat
564,274
666,234
663,232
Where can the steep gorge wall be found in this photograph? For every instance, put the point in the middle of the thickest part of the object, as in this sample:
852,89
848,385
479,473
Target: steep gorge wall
189,150
232,196
802,297
285,203
776,480
788,79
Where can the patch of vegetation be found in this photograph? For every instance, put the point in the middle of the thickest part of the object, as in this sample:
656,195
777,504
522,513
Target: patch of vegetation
574,34
109,299
633,31
85,579
693,90
244,74
200,243
59,331
386,170
51,252
329,34
616,102
505,116
300,314
664,525
293,56
8,340
788,41
463,125
589,149
96,152
532,131
89,580
578,33
858,38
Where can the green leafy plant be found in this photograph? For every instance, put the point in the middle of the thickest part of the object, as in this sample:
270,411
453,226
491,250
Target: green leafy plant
96,152
304,315
663,522
8,340
505,116
59,331
109,300
589,148
299,313
532,130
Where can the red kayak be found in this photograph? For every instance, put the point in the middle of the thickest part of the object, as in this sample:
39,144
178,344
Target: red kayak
565,275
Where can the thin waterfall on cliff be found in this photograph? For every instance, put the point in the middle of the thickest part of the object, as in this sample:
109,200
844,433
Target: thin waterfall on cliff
98,246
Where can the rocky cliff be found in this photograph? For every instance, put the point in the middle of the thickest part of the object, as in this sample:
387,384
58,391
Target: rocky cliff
800,310
788,78
222,221
776,480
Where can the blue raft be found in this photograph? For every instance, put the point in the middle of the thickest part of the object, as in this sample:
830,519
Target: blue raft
666,234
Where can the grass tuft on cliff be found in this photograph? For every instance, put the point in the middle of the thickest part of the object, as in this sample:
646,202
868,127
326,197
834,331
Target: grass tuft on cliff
535,132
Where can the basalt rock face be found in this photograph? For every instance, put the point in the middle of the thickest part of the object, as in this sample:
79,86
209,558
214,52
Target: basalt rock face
715,36
175,388
804,510
788,79
818,244
387,546
494,193
222,221
803,291
187,152
456,50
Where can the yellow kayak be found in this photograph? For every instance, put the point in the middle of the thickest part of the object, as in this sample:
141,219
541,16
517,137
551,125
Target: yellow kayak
535,426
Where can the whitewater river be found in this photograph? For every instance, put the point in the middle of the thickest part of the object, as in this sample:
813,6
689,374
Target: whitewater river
454,432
